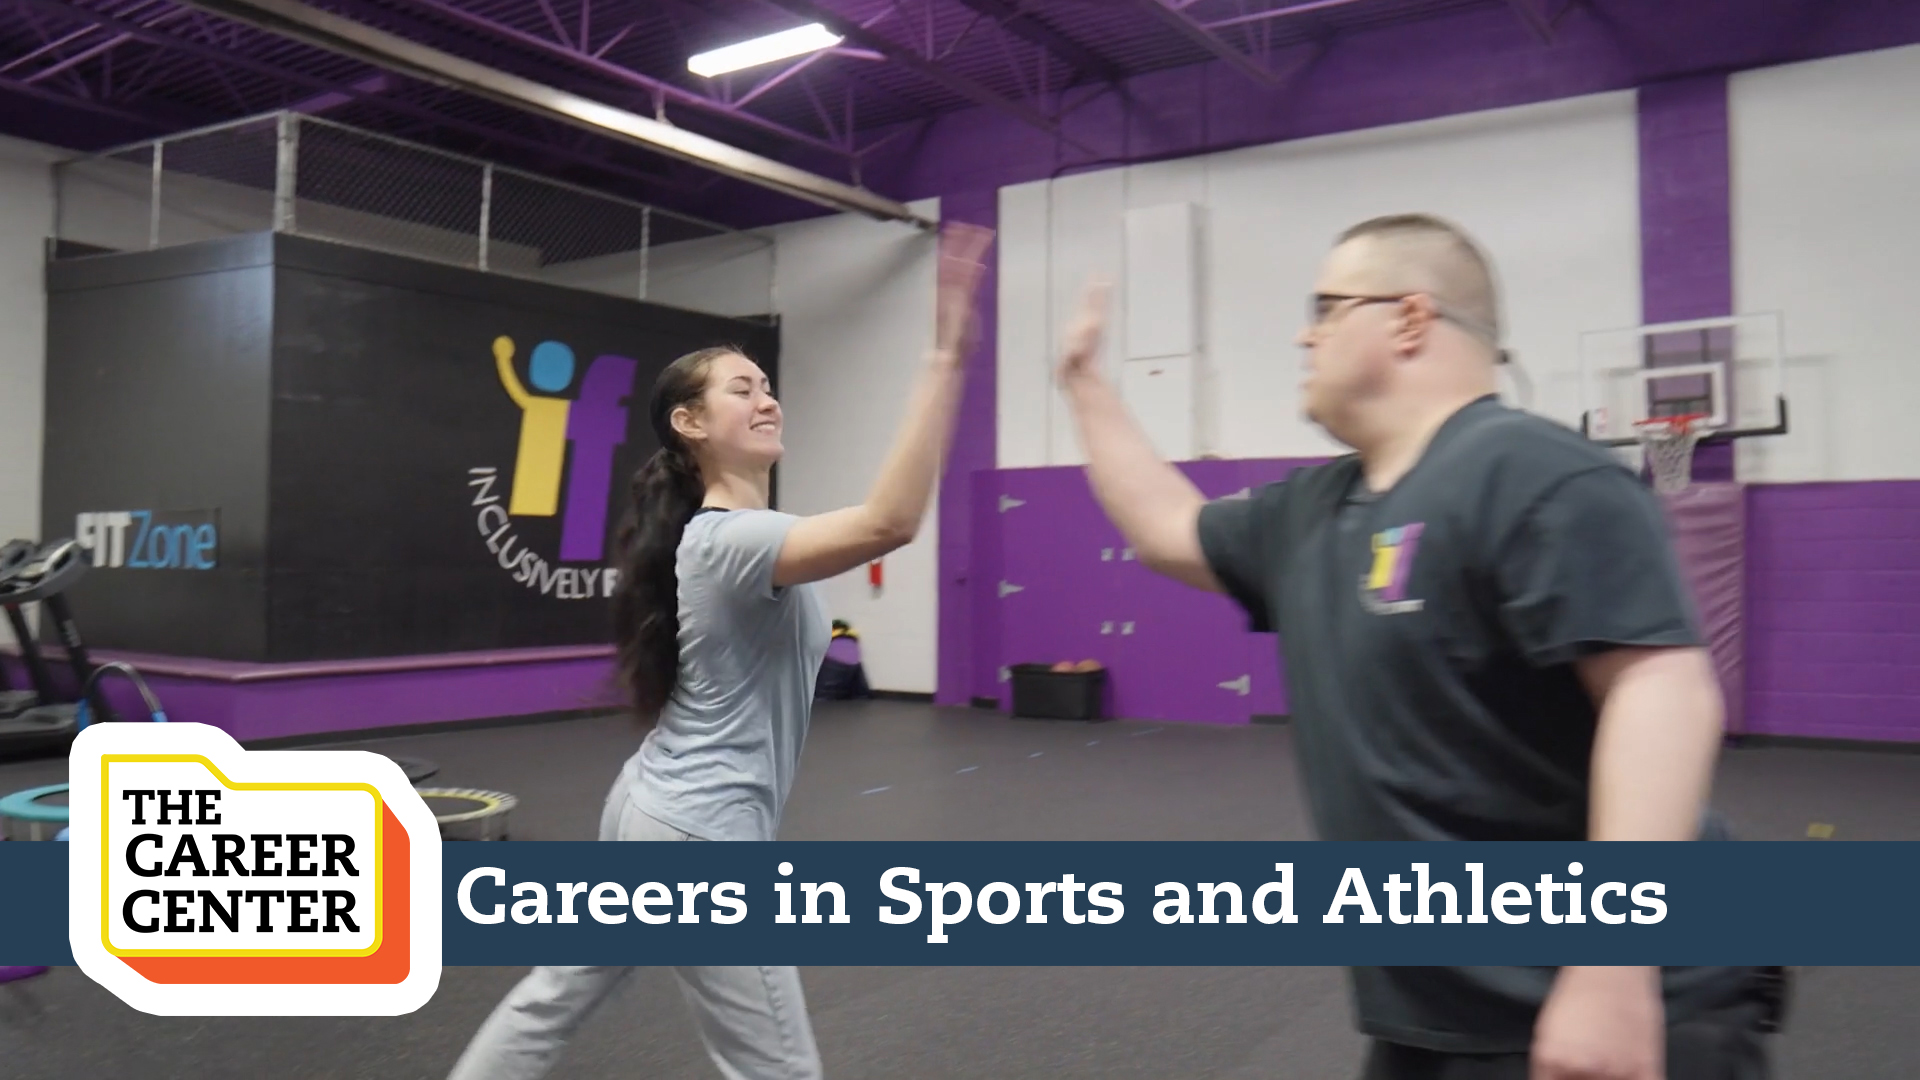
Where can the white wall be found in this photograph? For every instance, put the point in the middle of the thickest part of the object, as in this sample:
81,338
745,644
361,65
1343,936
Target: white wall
26,220
1826,169
1551,190
856,303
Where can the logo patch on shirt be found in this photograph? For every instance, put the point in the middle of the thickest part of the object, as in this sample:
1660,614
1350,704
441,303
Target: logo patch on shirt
1383,589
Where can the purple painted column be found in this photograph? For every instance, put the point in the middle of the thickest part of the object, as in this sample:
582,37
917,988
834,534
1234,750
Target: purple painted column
1686,272
974,448
1686,216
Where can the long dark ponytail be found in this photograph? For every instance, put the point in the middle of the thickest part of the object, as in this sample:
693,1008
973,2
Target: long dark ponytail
665,494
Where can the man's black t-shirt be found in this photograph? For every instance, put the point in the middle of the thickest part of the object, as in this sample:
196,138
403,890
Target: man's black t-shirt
1430,634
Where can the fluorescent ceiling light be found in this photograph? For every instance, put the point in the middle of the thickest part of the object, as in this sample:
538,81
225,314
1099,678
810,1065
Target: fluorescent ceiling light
764,50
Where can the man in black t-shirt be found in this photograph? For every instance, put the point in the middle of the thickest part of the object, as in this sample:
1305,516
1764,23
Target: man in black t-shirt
1486,638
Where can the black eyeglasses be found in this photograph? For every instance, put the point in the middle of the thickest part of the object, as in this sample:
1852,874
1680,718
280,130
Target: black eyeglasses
1321,306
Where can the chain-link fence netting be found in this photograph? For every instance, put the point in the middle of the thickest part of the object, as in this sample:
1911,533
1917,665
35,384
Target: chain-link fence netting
567,236
107,202
309,177
217,183
380,193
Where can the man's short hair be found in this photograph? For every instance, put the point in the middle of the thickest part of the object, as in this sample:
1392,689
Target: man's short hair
1445,262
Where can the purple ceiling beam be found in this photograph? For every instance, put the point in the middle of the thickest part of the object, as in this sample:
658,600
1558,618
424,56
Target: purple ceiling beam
156,36
559,30
1536,21
47,47
29,90
616,39
914,62
1037,31
1280,13
78,58
1203,37
660,90
101,48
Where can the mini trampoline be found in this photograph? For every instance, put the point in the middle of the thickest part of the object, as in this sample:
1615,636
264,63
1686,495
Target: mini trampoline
34,812
469,813
417,769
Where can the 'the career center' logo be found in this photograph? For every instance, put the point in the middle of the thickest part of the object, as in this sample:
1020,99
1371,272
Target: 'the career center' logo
208,880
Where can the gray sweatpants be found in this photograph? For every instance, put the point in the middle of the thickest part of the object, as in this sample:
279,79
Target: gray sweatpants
753,1020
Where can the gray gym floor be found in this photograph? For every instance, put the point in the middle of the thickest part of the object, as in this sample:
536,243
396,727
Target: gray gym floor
889,770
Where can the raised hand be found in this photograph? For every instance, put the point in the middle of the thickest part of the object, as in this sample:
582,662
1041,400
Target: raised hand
963,250
1080,353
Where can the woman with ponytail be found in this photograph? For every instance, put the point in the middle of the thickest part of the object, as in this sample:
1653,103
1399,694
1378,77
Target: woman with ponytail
721,635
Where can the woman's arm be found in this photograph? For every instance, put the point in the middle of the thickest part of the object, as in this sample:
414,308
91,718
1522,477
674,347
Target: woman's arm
826,545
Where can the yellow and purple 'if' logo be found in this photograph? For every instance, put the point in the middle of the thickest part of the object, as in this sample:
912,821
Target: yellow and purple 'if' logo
590,427
1383,589
561,438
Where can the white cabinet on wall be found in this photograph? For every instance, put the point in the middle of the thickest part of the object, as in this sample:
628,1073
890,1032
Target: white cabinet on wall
1162,367
1160,394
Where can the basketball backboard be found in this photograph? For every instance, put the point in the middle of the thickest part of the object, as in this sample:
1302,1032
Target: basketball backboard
1727,370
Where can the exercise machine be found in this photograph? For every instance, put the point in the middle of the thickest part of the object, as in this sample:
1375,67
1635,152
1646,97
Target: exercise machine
13,702
49,724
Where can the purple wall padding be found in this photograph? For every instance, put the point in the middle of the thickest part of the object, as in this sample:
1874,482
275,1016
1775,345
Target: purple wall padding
1821,640
1833,610
1709,523
974,446
268,701
981,596
1067,587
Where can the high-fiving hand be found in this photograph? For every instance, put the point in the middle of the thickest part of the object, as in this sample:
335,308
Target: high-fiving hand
963,250
1080,353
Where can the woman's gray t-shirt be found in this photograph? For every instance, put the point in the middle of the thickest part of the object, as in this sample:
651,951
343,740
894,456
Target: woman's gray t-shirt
720,762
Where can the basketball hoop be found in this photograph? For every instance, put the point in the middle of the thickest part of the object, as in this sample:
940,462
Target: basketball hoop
1669,442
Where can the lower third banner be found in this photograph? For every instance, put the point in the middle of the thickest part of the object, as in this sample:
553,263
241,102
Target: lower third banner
901,903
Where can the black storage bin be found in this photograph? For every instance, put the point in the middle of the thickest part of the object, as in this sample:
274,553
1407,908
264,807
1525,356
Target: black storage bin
1041,693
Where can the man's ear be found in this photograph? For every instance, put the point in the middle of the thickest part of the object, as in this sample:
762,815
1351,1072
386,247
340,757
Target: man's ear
1417,315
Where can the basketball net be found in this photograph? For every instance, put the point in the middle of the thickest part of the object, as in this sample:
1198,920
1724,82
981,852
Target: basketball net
1668,442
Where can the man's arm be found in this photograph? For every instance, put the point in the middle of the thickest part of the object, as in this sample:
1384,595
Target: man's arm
1152,503
1659,729
1661,719
1590,578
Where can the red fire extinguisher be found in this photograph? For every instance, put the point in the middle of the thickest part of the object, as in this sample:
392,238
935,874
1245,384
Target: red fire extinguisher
875,578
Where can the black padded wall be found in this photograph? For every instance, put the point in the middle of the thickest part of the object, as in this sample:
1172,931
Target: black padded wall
342,415
156,414
388,398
